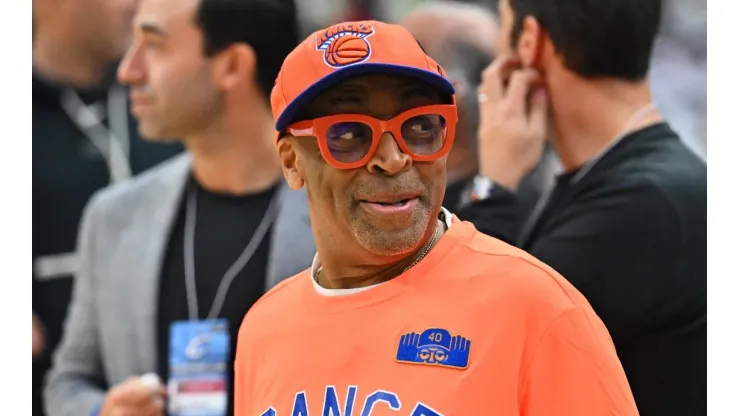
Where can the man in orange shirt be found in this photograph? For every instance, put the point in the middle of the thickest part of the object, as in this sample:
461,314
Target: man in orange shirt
406,310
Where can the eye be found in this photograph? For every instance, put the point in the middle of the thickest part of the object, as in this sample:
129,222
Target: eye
345,132
422,127
151,44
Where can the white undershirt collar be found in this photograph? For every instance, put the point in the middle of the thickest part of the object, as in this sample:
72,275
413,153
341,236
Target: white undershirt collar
446,216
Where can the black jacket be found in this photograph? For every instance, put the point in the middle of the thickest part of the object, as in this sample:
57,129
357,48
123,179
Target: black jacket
631,235
67,170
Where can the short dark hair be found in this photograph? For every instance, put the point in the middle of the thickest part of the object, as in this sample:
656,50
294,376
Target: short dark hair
596,38
270,27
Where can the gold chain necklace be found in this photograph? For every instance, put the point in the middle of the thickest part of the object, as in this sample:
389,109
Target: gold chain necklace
427,247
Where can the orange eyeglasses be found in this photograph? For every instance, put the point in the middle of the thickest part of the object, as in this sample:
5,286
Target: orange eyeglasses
348,141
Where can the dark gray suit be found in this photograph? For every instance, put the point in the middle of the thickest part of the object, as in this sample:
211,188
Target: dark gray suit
110,330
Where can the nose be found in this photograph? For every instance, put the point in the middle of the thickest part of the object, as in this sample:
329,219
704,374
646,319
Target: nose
389,159
131,70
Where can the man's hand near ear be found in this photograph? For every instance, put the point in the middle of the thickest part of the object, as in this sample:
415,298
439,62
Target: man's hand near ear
513,122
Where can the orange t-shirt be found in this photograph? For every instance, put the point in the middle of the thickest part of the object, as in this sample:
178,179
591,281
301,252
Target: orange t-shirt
475,328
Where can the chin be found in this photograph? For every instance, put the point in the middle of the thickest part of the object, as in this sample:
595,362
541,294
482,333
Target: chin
390,241
390,245
155,135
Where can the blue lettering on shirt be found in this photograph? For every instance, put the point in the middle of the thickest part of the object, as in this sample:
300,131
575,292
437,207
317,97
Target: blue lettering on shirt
377,399
380,396
300,407
331,402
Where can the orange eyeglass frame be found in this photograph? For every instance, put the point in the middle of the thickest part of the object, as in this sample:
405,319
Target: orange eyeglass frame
319,126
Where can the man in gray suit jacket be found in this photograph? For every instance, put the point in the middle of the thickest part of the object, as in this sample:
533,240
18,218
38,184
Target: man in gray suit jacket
188,246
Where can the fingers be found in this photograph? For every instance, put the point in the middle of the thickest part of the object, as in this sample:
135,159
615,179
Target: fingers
506,83
141,393
143,396
157,407
521,83
494,78
538,113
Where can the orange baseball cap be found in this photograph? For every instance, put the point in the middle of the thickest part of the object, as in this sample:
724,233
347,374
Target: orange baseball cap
329,56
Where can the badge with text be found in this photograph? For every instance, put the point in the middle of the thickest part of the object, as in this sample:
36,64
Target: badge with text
199,353
434,347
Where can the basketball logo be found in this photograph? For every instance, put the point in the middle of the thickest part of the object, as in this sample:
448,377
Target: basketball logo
345,44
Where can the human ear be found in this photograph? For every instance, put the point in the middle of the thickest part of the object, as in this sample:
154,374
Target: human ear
290,162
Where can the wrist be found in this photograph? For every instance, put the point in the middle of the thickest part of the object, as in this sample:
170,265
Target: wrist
481,188
503,177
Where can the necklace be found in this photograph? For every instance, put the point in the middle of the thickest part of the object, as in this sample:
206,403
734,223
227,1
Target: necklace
426,250
428,246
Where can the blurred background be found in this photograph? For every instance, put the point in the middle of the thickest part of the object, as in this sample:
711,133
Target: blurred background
67,172
679,69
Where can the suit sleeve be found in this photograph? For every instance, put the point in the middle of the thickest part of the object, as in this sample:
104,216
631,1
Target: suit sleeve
575,371
75,384
500,215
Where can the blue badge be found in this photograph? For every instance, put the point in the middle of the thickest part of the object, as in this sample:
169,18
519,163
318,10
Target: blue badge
434,346
199,382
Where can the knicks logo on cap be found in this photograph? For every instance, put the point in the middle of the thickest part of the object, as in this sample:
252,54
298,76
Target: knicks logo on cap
345,44
436,347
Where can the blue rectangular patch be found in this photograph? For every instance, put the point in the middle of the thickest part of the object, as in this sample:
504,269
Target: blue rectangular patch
434,347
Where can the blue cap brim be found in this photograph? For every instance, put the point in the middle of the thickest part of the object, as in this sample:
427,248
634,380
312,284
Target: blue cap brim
290,112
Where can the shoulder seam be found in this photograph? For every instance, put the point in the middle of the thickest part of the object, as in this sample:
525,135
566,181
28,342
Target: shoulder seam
550,273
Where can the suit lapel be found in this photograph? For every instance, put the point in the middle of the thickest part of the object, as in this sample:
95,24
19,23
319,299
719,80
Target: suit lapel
292,244
158,212
291,251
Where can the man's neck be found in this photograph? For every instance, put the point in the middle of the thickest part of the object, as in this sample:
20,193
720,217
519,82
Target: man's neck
238,159
340,271
588,115
61,63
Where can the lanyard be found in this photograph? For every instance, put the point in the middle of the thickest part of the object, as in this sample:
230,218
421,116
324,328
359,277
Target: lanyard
241,261
542,201
114,142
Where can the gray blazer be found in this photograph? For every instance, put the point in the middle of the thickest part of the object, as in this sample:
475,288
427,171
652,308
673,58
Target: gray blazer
110,329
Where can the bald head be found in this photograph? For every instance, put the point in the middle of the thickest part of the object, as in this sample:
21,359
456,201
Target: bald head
436,21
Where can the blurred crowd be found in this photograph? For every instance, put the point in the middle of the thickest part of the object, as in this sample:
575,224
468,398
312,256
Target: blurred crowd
142,175
678,72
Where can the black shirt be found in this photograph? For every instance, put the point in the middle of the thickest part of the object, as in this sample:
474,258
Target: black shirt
67,170
631,236
225,224
457,193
